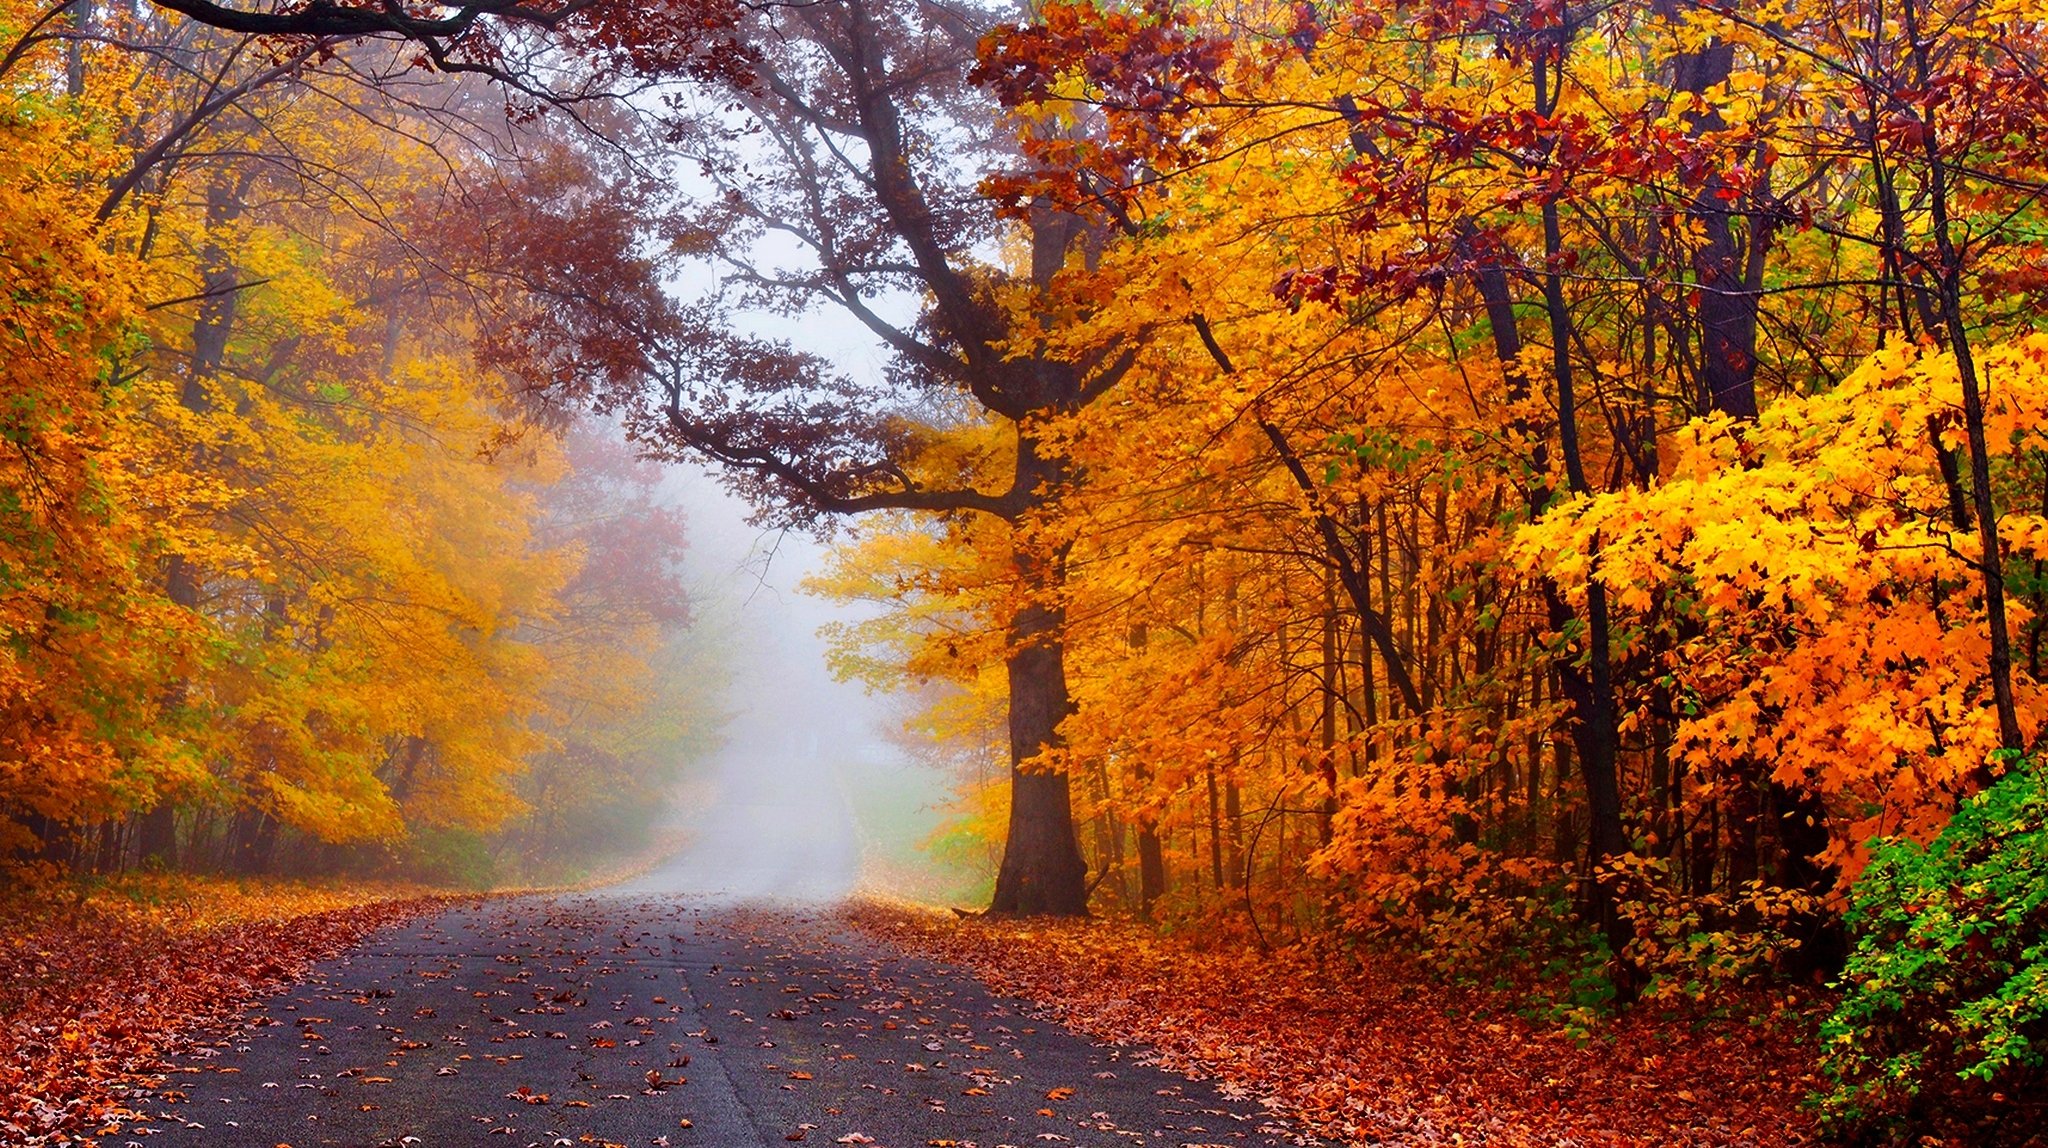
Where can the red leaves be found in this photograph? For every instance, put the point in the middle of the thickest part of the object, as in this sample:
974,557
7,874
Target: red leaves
698,39
1124,55
1315,285
93,1001
1376,1054
1147,71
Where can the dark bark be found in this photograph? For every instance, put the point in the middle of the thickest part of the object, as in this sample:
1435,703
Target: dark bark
83,24
251,842
1740,809
1721,263
158,834
1939,309
1151,849
1042,872
402,765
1727,274
1233,812
1588,687
49,840
107,847
1822,942
328,18
1990,565
1151,867
1326,763
1215,828
1951,477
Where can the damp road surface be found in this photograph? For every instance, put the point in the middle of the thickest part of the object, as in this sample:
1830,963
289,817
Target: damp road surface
711,1002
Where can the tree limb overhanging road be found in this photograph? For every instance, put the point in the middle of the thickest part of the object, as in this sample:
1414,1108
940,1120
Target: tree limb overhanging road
713,1001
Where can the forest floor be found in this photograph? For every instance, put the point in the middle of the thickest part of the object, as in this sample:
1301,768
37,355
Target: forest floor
101,987
101,982
1381,1053
104,980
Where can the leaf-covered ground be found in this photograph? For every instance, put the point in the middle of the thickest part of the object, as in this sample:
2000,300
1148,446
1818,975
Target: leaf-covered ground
1371,1054
98,986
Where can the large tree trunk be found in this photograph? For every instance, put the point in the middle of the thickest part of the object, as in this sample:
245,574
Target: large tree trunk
1151,867
1042,872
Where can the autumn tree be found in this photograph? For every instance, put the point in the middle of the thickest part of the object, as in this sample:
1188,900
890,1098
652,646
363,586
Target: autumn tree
1466,277
87,647
629,694
336,577
848,149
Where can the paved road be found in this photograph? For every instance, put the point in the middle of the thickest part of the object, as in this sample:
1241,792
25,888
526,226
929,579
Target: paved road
709,1003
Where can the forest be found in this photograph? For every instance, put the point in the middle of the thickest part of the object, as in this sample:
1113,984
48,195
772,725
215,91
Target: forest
1551,494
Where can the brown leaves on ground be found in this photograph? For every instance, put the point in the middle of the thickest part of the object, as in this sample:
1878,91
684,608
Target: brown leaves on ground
1380,1053
97,989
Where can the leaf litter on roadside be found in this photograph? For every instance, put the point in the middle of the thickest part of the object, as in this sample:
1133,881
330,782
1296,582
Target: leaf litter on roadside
1379,1052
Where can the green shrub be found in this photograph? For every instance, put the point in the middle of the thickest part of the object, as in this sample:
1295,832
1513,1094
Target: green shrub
1943,1022
451,857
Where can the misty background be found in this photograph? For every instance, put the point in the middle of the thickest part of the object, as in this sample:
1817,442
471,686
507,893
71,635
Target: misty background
814,791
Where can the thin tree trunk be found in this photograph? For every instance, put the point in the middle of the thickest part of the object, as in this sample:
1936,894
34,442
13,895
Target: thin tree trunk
1215,829
1326,763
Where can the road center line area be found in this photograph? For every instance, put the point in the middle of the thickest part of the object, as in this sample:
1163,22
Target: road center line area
651,1020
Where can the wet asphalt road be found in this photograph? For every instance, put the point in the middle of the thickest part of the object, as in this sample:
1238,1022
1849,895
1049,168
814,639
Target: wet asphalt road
711,1002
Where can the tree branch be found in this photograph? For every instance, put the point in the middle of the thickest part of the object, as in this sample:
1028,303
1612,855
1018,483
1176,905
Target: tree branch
815,493
353,21
1375,623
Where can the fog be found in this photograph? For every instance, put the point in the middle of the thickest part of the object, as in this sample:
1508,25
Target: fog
807,799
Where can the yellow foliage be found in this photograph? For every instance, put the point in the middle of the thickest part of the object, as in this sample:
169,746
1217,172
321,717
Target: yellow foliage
1825,613
271,551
